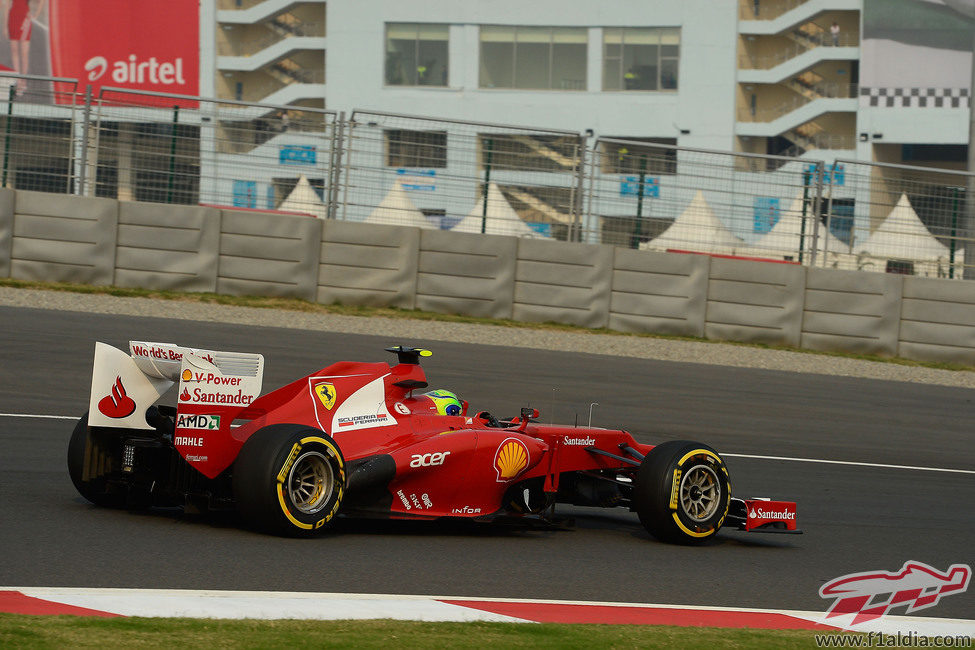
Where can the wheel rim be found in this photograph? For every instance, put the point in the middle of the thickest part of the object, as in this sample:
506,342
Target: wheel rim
310,482
700,493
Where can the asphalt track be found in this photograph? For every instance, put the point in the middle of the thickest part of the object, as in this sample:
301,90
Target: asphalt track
856,518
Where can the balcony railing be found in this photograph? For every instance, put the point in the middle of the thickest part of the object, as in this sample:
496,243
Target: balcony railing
772,113
252,46
791,51
766,9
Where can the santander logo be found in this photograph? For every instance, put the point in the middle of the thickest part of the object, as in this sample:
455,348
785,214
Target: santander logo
118,404
132,71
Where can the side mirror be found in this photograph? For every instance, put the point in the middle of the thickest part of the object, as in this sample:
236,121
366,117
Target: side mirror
529,413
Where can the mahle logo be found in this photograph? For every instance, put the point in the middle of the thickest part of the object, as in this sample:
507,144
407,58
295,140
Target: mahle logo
871,594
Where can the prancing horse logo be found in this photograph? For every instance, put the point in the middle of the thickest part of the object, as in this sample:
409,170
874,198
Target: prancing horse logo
326,394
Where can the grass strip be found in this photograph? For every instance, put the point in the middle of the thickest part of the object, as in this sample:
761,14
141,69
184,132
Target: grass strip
296,304
21,631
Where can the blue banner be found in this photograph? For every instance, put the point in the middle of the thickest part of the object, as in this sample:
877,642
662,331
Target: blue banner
833,174
422,180
245,194
766,213
292,154
630,186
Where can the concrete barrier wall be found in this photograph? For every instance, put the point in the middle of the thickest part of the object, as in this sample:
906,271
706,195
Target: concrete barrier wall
937,320
368,265
659,292
755,301
167,247
465,273
7,200
52,237
269,255
563,282
852,310
60,238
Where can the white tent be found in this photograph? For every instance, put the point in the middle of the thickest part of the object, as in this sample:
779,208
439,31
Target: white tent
786,237
696,229
304,198
902,236
501,218
397,209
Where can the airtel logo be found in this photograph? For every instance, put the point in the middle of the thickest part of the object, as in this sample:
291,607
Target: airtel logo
135,71
96,67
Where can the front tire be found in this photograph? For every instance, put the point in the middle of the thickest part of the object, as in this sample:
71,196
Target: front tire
289,480
682,492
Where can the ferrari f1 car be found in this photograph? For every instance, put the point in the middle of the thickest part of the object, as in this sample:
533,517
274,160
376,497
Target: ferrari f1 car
360,439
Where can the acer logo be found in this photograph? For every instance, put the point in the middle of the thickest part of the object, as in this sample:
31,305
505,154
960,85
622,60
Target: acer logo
117,404
428,460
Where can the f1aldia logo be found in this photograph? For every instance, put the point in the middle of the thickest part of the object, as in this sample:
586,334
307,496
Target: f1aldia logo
871,594
117,404
135,71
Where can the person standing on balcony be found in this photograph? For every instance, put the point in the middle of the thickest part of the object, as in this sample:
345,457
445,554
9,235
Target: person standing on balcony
834,31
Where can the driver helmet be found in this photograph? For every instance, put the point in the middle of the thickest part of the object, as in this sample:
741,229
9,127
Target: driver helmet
446,403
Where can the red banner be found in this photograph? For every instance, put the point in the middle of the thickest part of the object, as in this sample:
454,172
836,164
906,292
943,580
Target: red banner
133,45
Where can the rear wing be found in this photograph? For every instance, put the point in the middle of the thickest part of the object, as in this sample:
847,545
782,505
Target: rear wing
124,386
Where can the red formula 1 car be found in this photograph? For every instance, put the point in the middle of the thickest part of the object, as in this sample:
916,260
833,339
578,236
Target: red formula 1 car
361,439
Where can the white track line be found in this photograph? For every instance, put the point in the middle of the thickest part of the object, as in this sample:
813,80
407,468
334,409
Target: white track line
850,462
47,417
798,460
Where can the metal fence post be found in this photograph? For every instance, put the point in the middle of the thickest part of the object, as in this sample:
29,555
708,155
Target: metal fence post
576,231
172,155
6,141
590,236
954,233
348,170
81,190
816,209
638,234
334,173
487,182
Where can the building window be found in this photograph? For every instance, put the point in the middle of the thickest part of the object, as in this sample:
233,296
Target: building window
548,153
425,149
638,58
651,156
533,58
416,54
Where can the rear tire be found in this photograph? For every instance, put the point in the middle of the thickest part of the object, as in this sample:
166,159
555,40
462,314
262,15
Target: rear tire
94,452
682,492
289,480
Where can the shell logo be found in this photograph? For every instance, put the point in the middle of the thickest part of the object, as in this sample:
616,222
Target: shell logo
187,375
511,459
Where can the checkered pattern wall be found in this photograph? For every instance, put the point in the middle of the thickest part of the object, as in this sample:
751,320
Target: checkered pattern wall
914,97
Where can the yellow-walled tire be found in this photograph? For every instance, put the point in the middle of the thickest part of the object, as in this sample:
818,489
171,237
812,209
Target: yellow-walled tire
289,480
682,492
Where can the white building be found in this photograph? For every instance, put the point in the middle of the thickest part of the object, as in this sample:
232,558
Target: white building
765,76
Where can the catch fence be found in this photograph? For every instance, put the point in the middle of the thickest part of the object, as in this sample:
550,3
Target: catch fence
431,173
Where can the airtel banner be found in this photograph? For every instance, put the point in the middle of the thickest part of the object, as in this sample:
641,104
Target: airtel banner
133,45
